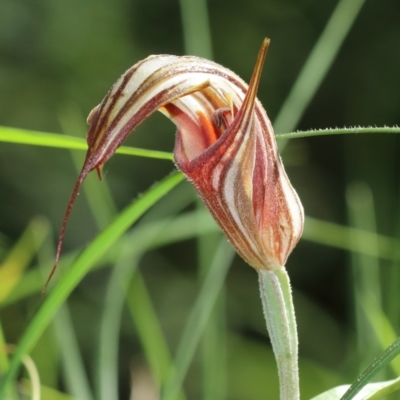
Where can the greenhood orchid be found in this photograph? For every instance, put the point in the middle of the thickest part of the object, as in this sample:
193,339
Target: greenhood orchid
225,146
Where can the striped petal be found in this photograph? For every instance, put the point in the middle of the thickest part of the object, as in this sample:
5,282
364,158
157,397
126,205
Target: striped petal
225,145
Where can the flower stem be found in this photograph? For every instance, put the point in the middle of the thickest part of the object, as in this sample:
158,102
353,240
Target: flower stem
276,297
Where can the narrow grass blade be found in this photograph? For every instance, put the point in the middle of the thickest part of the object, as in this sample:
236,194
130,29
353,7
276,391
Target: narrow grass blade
214,353
3,352
380,362
196,28
365,269
20,256
107,376
381,326
317,65
149,331
34,138
213,344
82,265
338,131
335,235
4,364
73,368
198,318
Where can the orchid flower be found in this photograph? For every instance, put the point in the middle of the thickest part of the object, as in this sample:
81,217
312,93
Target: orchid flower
225,145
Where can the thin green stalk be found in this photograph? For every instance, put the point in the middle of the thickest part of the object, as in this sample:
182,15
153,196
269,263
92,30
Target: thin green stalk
35,138
382,328
198,318
150,332
365,269
337,131
276,297
380,362
82,265
74,373
4,364
317,65
3,352
107,384
196,28
339,236
213,354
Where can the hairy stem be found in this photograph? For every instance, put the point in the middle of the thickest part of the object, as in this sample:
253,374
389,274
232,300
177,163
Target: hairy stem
337,131
279,315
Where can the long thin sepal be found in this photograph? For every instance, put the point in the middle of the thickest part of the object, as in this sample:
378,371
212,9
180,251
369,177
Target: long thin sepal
71,202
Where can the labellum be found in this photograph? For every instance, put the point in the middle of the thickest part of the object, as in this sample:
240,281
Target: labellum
225,146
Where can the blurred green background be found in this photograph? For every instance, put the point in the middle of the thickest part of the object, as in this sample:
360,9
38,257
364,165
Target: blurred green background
57,61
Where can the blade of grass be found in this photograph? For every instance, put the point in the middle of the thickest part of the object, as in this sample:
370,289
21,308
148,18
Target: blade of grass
381,326
34,138
213,344
82,265
318,64
4,364
365,269
3,352
198,318
380,362
107,374
20,256
196,28
150,332
339,236
338,131
214,352
76,380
